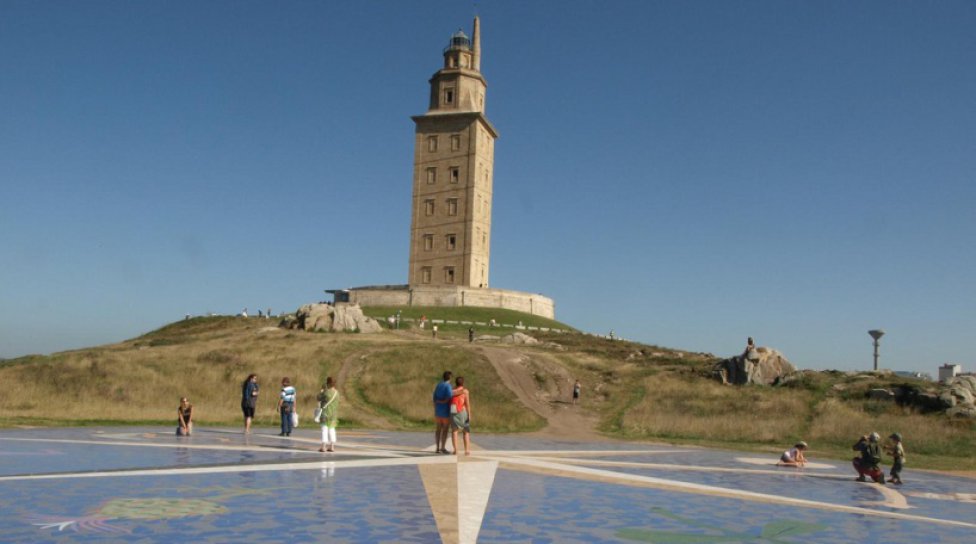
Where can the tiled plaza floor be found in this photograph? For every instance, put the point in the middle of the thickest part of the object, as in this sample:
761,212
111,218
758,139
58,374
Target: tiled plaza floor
146,485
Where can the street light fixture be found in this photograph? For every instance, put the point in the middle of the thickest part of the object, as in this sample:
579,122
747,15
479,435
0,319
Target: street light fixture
876,334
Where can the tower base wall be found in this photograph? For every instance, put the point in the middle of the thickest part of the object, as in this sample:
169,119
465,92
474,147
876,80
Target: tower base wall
404,295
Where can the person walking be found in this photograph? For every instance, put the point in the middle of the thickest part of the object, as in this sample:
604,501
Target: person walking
461,415
433,332
442,412
184,416
286,405
576,391
329,416
470,334
249,400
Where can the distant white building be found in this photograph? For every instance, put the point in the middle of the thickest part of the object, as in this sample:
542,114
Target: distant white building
949,371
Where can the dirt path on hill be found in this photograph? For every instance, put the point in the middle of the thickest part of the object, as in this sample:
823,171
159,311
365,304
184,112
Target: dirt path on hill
550,397
348,377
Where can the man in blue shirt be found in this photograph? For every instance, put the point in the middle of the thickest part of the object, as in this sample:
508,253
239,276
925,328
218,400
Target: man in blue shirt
442,412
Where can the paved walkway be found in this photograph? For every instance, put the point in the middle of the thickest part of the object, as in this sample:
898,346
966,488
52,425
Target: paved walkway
146,485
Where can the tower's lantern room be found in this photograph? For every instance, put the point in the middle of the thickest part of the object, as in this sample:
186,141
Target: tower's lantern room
459,86
458,54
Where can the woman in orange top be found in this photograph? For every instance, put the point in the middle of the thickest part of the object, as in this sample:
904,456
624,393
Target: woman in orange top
461,415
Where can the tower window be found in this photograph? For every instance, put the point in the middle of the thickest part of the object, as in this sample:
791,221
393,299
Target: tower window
425,274
431,175
432,144
448,274
449,96
452,206
455,142
451,242
429,206
428,242
455,174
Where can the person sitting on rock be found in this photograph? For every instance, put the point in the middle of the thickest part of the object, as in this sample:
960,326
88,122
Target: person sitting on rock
750,353
870,456
794,457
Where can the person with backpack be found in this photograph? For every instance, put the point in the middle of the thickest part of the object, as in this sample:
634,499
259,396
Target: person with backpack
866,464
286,406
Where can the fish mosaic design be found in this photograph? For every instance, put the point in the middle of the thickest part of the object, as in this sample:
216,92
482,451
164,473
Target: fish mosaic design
144,509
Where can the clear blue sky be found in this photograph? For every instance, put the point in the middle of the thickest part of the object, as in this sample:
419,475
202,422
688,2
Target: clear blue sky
685,173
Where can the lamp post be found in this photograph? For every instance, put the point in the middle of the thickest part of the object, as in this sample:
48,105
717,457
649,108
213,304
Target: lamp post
876,334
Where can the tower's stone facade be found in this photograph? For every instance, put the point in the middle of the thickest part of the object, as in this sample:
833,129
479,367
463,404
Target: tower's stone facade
450,232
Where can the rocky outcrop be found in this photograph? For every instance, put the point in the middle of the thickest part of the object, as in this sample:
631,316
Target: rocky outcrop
881,394
763,365
959,395
340,317
519,338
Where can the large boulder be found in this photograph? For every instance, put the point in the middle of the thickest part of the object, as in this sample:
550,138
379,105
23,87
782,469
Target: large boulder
341,317
349,317
765,366
519,338
959,395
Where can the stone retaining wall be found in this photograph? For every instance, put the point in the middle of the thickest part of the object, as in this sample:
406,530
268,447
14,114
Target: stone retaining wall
530,303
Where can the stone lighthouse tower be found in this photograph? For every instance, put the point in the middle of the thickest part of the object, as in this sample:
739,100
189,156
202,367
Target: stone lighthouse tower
450,232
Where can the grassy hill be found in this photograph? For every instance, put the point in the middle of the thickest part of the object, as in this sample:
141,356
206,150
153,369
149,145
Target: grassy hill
633,391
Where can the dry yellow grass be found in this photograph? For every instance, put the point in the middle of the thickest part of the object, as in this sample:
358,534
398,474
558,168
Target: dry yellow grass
841,423
673,407
642,392
399,383
138,381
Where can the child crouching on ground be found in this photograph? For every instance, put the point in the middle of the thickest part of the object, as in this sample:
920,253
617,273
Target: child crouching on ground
794,457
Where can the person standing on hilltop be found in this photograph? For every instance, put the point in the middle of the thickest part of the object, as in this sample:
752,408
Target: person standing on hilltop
286,405
329,417
442,412
249,400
